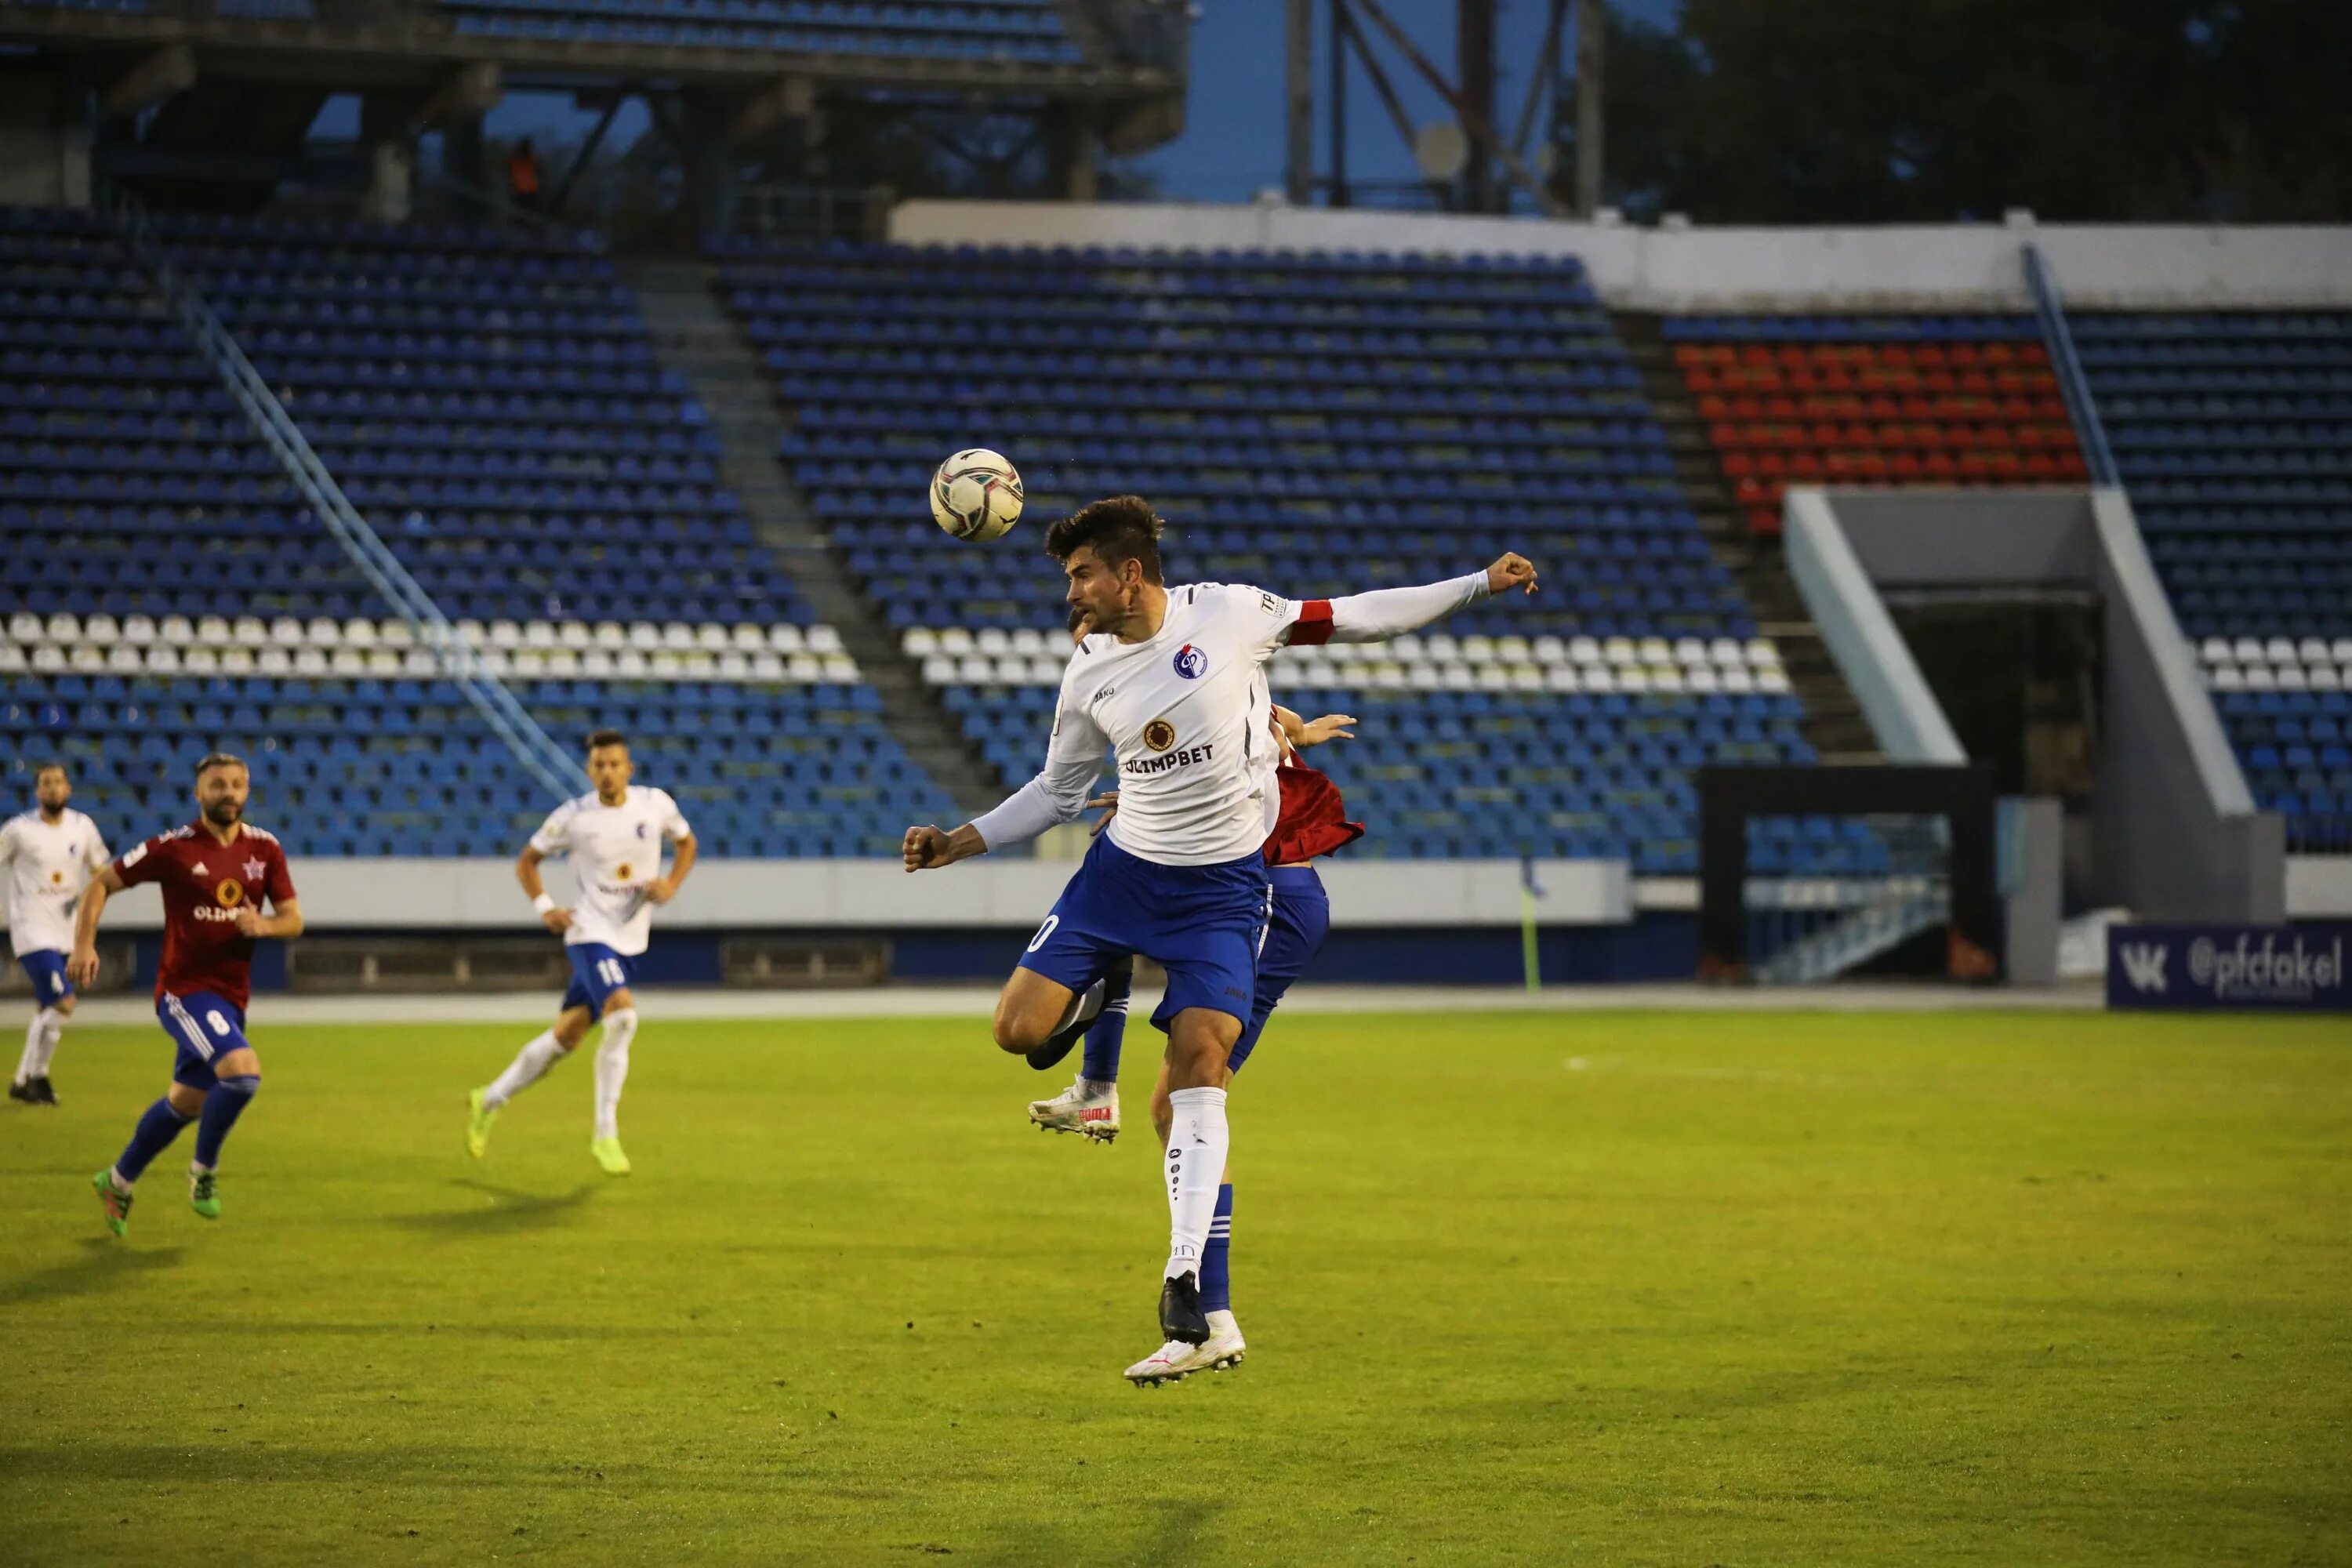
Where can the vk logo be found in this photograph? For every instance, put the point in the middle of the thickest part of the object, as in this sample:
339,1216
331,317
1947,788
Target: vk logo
2144,964
1191,662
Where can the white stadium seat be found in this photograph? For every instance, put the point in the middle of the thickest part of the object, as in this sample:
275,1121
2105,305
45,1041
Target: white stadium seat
823,640
163,660
921,642
100,630
64,629
139,631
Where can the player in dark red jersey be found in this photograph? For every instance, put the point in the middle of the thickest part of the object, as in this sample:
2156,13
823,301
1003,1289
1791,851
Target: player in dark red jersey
214,874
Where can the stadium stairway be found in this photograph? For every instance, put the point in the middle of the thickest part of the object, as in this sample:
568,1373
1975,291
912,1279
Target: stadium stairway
692,336
1834,721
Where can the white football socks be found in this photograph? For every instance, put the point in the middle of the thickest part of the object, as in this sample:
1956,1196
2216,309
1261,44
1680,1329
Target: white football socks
41,1036
530,1065
1198,1143
612,1069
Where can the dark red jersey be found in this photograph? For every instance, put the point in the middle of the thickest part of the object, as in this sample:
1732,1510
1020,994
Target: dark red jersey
204,883
1313,820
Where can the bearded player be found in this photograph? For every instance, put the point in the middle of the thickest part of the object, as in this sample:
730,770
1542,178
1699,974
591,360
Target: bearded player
1172,681
214,874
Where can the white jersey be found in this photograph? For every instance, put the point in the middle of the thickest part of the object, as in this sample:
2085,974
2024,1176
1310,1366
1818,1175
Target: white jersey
49,866
1184,712
615,850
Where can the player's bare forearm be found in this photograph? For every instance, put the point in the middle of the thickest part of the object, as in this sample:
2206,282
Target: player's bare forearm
662,889
285,922
526,872
81,965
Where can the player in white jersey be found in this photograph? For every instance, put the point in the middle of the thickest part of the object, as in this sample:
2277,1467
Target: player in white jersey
613,834
1172,683
49,855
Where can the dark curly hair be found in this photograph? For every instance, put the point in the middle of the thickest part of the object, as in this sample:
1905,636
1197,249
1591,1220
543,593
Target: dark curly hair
1121,529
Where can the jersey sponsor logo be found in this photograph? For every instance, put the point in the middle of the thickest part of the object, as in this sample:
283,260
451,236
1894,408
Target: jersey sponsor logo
622,870
1191,662
230,893
213,914
56,877
1159,734
1269,603
1160,764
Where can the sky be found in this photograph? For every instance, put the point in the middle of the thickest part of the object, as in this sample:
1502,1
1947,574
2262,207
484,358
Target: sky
1232,146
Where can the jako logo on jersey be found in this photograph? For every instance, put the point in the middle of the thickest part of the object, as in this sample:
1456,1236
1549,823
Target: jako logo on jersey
1191,662
2144,964
1159,734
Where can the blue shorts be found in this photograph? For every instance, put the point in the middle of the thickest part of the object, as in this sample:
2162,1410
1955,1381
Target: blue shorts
47,971
1200,923
596,972
1302,918
204,1027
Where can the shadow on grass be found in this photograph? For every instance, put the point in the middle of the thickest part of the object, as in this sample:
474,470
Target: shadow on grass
104,1262
1165,1529
507,1213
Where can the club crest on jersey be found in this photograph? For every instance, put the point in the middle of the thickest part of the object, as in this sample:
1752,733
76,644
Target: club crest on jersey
253,869
1159,734
1191,662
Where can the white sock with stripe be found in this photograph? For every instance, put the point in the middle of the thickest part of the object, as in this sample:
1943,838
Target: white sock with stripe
1198,1143
51,1033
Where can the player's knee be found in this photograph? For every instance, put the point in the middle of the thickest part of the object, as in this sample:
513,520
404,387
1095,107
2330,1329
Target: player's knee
65,1004
570,1029
1014,1031
186,1100
246,1084
620,1001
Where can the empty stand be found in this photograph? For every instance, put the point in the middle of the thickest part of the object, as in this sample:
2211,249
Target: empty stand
1317,423
492,405
1949,400
2234,433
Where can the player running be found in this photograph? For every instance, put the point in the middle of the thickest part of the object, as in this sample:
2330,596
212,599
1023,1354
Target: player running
215,873
49,853
613,834
1172,681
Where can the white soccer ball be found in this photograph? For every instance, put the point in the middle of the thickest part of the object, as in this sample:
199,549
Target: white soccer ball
976,495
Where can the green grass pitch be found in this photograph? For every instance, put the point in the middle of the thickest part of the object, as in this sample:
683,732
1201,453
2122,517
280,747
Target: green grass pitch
1617,1288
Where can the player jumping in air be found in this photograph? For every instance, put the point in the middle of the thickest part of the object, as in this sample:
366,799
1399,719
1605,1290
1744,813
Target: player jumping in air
214,874
49,854
1312,822
1173,680
613,834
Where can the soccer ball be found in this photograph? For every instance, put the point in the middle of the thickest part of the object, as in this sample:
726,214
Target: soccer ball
976,495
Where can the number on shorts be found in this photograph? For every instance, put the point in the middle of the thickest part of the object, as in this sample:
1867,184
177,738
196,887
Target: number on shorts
219,1024
1044,932
609,971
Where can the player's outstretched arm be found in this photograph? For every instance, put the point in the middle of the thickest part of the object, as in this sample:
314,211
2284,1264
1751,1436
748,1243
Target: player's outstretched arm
1304,733
1385,612
1057,795
81,965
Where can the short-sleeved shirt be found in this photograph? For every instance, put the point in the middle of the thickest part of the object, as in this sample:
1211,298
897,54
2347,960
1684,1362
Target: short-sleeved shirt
48,864
1184,713
204,882
1314,818
615,850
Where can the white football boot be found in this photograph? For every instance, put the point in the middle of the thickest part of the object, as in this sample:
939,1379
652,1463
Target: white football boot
1171,1362
1094,1116
1223,1347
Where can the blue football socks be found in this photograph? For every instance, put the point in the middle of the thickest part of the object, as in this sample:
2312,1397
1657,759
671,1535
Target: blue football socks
224,1103
157,1127
1216,1272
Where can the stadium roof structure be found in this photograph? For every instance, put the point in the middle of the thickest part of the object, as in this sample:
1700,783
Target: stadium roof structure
358,43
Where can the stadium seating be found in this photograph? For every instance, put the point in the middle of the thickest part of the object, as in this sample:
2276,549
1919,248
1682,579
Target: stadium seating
1948,400
1022,31
492,405
1317,423
2234,433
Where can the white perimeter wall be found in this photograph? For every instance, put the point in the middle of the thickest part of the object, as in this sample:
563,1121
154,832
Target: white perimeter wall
1949,267
427,895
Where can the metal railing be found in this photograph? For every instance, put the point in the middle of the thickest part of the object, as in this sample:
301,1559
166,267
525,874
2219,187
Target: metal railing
460,663
2049,310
